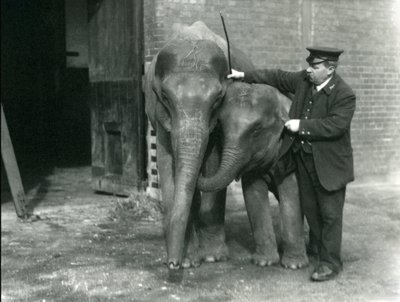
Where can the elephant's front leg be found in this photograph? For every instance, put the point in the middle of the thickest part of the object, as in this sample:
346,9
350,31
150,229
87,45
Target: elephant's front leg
165,164
294,249
212,212
212,227
255,192
192,255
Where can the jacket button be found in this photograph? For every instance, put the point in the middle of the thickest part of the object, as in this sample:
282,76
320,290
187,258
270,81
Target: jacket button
308,132
302,142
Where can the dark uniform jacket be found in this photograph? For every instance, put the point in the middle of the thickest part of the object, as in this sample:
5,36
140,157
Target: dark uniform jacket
327,130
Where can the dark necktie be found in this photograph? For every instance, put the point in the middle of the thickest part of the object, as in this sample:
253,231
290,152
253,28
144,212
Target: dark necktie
314,90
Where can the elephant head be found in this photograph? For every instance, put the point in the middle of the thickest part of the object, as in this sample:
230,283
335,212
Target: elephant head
252,118
189,83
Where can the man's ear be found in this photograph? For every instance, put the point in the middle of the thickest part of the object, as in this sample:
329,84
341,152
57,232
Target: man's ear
331,70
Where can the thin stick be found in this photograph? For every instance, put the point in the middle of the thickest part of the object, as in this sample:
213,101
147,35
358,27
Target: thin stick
227,42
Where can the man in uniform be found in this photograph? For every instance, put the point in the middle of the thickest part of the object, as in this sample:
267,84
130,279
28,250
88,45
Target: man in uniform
316,143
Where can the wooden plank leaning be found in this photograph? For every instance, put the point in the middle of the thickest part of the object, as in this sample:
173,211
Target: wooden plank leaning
11,167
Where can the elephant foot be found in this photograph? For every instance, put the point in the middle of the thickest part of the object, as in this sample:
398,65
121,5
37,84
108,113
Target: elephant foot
187,262
191,262
215,252
216,257
173,264
213,247
294,261
192,257
265,260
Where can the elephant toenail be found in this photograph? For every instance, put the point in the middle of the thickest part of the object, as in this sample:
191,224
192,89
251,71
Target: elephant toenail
173,265
210,259
186,264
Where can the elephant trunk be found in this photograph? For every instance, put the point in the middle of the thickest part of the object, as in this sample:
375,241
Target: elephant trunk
232,163
190,148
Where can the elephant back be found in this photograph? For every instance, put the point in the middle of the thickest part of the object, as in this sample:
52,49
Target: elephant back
200,31
197,31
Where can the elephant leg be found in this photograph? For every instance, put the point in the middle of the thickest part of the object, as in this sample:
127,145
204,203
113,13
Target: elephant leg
212,227
255,192
294,249
165,164
192,256
212,212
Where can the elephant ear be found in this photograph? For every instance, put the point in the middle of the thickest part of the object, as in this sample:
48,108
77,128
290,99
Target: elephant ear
241,61
216,111
161,112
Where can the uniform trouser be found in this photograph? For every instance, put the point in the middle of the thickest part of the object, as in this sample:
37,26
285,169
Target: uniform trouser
323,210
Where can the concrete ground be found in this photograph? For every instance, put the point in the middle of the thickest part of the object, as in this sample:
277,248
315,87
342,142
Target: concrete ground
82,246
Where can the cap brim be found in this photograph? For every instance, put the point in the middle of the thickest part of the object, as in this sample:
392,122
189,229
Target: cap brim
310,60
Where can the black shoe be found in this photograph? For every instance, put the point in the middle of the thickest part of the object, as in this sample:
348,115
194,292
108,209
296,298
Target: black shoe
323,273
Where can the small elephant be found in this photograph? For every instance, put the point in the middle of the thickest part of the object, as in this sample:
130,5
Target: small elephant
252,118
184,88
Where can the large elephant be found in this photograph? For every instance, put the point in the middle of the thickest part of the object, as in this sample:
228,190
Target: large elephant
184,88
252,118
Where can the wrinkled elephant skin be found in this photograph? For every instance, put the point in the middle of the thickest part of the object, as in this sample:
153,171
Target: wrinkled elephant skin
184,87
252,118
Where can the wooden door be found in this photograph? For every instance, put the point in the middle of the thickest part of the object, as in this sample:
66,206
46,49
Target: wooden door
117,101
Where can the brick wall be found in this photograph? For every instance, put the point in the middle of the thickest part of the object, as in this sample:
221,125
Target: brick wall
274,34
371,65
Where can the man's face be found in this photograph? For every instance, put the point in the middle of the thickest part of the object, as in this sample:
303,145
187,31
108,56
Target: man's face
318,73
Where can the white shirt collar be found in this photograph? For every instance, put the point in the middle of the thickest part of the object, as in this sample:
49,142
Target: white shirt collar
319,87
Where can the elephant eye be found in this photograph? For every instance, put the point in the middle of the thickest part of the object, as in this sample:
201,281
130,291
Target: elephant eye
164,99
257,129
255,132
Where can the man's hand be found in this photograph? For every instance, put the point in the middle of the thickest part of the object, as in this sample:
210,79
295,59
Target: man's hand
293,125
236,74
